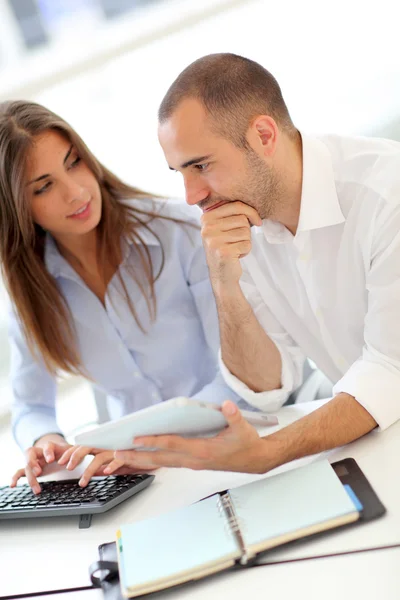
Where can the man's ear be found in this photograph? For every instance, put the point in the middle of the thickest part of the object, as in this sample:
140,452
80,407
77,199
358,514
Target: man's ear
263,133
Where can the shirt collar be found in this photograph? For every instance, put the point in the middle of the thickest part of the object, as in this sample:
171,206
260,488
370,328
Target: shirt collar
319,201
57,266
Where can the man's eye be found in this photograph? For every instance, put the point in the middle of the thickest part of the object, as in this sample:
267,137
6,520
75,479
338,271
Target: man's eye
201,167
42,189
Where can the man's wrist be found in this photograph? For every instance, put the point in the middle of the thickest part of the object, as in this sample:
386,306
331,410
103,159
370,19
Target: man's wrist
225,290
269,454
229,294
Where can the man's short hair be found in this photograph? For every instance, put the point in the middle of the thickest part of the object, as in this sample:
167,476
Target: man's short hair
233,90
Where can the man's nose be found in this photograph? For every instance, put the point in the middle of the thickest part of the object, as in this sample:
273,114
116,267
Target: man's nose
195,191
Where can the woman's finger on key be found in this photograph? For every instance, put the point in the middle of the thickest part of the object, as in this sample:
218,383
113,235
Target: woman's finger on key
113,466
48,452
33,456
77,456
93,468
32,481
66,456
16,477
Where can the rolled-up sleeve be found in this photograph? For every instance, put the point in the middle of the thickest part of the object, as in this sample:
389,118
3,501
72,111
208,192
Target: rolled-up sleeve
33,390
374,379
292,357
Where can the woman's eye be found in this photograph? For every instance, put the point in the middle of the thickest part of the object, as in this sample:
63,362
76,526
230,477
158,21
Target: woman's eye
42,189
75,162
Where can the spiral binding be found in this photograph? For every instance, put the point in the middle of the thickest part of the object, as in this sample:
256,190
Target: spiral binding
232,523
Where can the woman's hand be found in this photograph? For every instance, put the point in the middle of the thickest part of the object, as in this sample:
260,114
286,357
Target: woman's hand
74,455
39,457
54,450
102,464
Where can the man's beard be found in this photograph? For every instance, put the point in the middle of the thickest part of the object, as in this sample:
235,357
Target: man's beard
262,189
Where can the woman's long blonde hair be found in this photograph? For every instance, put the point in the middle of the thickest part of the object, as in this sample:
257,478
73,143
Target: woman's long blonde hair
40,306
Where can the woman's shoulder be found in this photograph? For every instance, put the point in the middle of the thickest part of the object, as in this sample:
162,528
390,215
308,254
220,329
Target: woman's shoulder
178,209
176,227
166,208
173,222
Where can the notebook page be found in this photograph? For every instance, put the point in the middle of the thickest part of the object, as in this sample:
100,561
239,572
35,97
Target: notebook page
273,508
163,550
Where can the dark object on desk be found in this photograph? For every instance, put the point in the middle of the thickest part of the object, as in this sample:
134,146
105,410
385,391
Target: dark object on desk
350,474
104,573
66,498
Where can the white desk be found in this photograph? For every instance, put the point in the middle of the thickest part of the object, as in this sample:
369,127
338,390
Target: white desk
365,577
54,553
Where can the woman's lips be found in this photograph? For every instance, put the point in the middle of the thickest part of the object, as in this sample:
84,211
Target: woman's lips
83,214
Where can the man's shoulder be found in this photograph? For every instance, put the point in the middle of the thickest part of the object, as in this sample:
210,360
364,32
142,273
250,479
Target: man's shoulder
367,163
361,149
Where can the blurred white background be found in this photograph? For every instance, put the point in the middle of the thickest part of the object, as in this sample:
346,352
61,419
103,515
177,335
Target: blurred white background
104,65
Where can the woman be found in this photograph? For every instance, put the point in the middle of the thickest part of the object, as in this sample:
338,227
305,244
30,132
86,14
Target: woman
104,280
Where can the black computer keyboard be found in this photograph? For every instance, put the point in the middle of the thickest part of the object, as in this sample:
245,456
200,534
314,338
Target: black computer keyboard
63,498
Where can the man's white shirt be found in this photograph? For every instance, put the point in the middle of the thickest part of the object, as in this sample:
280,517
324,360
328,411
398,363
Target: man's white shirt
332,291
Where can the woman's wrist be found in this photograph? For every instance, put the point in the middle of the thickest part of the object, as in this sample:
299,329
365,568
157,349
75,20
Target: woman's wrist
57,438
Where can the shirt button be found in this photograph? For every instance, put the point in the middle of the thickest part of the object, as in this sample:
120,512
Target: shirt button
137,374
155,396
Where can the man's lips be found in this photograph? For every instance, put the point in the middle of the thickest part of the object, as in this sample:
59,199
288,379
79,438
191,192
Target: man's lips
213,206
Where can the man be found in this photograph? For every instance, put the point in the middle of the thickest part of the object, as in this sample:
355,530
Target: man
302,238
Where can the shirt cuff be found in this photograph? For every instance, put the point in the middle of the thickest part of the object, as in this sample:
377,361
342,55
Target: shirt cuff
374,386
217,392
269,401
28,428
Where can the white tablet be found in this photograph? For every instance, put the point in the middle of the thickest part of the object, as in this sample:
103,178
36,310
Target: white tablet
181,416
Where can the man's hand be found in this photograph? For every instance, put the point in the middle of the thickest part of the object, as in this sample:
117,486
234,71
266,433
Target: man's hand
237,448
246,350
227,238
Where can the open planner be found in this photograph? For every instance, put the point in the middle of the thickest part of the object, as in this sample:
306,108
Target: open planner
234,529
230,529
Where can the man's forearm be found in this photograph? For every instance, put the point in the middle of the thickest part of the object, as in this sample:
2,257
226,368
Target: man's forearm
246,349
339,422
